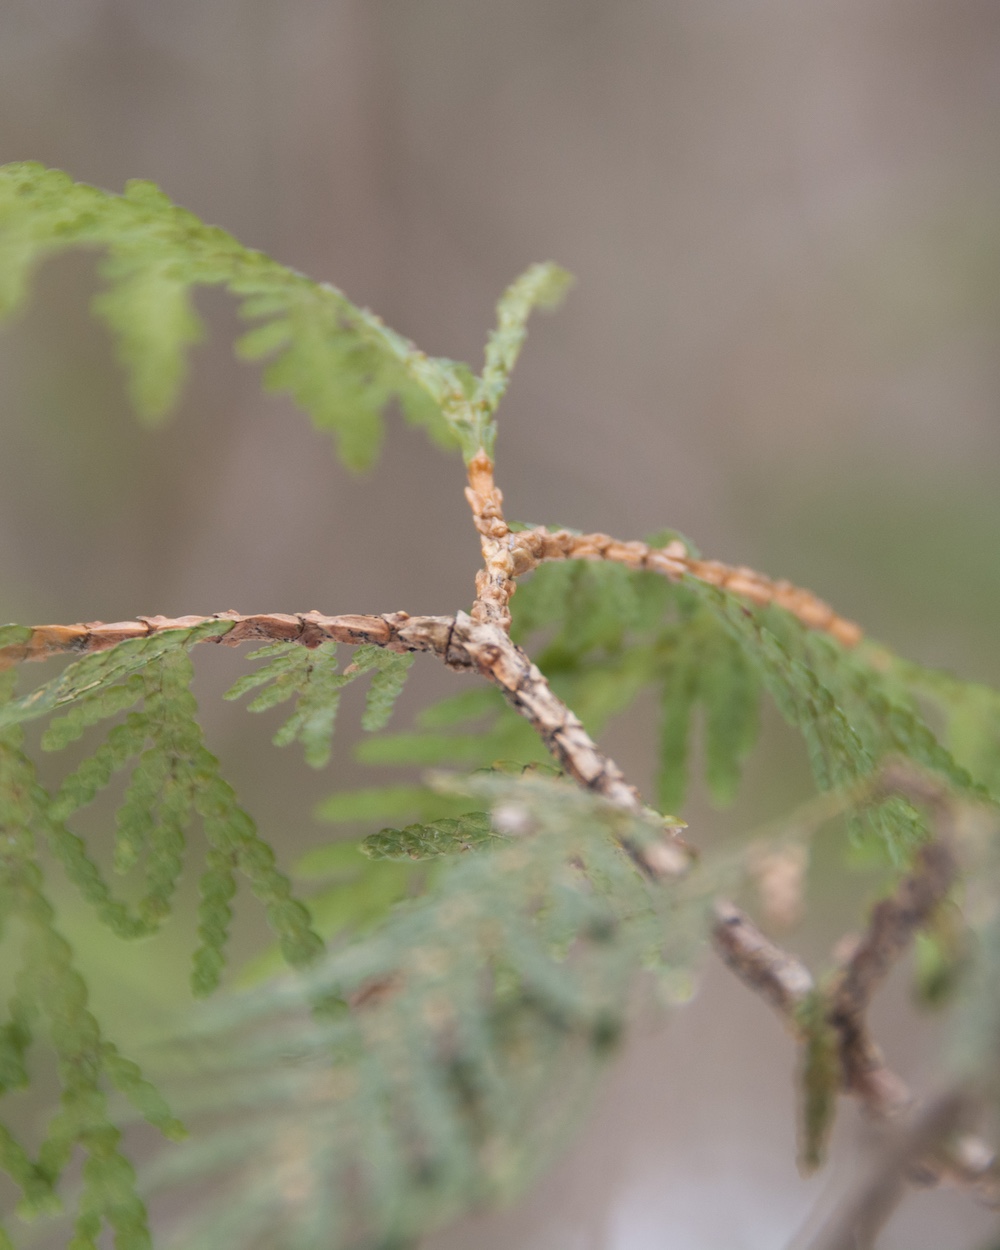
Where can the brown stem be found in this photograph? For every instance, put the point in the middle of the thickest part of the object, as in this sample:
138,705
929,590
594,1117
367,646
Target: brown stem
461,642
761,964
929,1154
495,581
530,547
892,926
508,555
396,630
464,643
858,1223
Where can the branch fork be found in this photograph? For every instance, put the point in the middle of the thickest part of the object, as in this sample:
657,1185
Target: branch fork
479,641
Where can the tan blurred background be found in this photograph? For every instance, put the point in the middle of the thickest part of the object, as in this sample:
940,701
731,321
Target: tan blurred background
783,216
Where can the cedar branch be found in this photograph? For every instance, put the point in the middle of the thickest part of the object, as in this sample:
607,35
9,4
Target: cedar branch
783,981
461,642
531,547
508,555
467,644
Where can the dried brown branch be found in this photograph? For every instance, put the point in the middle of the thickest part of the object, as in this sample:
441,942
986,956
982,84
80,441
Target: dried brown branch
530,547
781,979
892,926
931,1152
461,642
508,555
397,630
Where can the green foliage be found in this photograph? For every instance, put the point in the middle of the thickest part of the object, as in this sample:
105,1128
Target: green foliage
472,831
480,1013
94,681
174,779
615,632
542,286
970,714
820,1078
350,895
483,937
49,1004
338,362
386,803
312,676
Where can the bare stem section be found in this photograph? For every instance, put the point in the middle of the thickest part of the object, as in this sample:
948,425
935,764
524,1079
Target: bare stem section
892,927
310,629
508,555
530,547
495,580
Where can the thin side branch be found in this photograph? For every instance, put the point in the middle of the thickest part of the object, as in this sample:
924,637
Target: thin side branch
784,981
508,555
930,1152
892,927
857,1224
530,547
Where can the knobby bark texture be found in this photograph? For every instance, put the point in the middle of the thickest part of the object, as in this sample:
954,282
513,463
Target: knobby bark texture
509,554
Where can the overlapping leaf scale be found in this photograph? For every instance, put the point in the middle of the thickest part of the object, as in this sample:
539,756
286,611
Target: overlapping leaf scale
447,836
851,715
389,672
49,1008
338,361
479,1016
310,676
174,782
232,835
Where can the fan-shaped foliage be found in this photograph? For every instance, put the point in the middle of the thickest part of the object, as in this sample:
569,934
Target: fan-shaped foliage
479,1014
340,363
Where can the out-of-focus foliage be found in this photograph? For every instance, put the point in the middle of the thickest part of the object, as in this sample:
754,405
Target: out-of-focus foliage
479,1015
339,363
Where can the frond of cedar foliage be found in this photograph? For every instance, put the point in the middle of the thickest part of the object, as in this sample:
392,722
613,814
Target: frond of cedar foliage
339,363
480,1012
465,963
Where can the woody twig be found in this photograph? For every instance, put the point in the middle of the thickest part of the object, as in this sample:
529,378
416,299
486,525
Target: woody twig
924,1157
461,642
508,555
480,642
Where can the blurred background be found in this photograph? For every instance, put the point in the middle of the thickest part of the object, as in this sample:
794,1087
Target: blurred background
783,218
